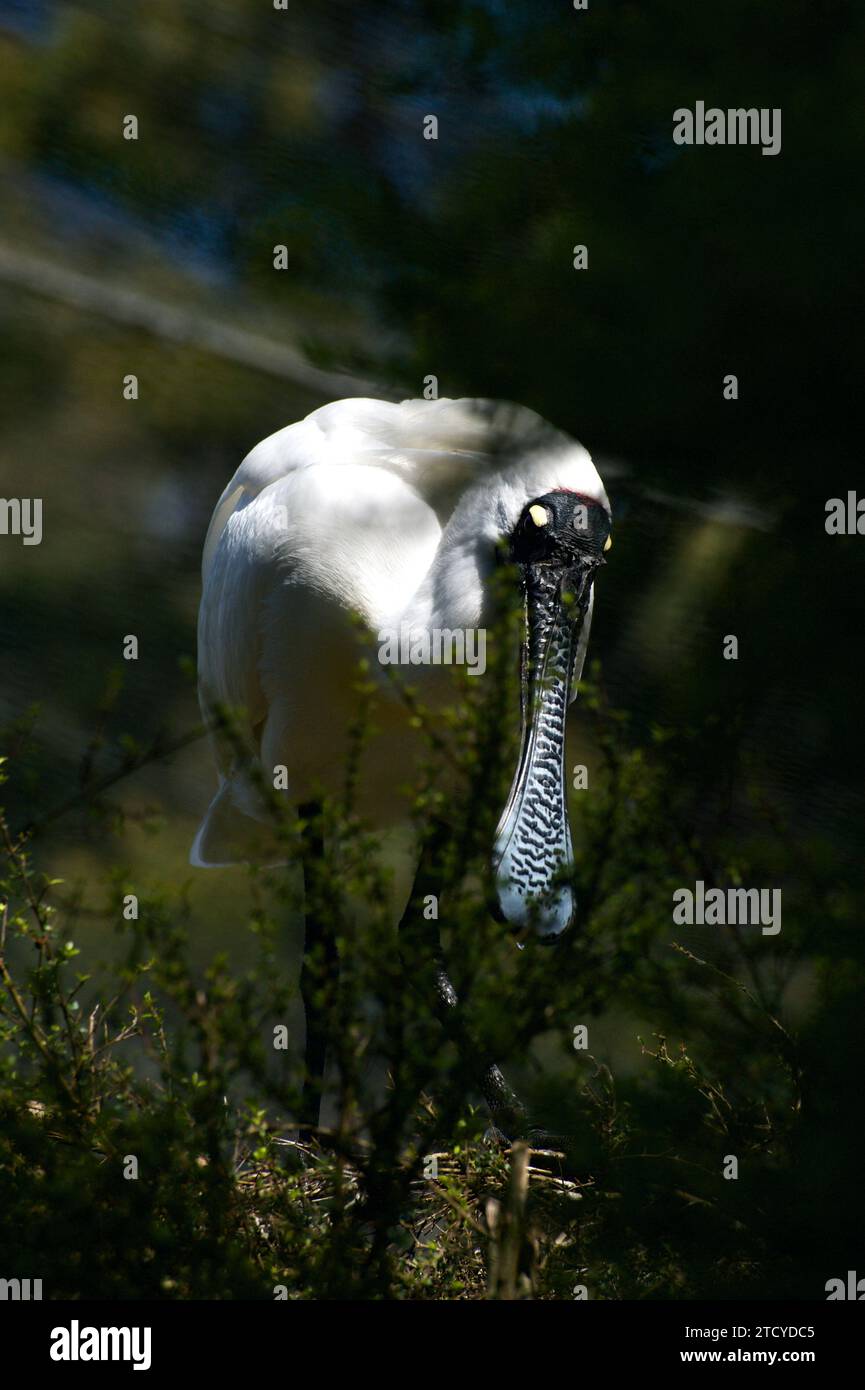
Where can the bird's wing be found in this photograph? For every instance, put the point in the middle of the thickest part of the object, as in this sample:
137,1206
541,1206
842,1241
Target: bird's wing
229,639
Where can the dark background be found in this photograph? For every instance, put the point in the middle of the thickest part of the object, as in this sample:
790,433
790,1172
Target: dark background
453,257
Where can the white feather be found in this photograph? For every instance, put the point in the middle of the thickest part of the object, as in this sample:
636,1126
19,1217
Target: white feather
390,511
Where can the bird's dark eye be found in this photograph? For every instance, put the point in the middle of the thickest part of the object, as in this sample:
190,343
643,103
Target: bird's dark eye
534,534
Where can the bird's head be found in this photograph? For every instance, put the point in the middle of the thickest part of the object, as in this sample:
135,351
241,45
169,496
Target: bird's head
557,546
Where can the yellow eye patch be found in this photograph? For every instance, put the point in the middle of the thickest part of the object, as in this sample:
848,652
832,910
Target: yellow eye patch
539,514
608,542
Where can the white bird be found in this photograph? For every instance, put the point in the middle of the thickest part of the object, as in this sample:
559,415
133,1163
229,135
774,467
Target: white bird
395,513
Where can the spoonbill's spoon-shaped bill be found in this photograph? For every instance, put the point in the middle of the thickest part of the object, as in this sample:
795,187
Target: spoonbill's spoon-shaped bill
558,545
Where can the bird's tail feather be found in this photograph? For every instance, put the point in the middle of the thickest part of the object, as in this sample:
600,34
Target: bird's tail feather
229,835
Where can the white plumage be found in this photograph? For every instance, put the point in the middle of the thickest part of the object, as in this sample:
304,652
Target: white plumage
391,511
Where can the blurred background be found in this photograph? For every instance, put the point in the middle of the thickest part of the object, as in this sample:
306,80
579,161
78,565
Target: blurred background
408,257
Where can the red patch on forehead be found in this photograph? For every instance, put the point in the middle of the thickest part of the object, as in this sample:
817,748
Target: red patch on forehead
592,501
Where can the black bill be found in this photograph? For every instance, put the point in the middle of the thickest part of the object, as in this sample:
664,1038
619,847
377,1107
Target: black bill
558,545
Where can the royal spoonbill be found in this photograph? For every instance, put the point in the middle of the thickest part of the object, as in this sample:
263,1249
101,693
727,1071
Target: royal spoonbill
397,513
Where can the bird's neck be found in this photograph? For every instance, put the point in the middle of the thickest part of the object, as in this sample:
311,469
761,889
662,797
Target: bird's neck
452,593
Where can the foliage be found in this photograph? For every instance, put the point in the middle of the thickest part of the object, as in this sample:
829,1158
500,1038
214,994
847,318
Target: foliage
176,1067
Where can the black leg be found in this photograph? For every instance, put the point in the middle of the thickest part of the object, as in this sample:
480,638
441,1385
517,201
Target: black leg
423,959
318,970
